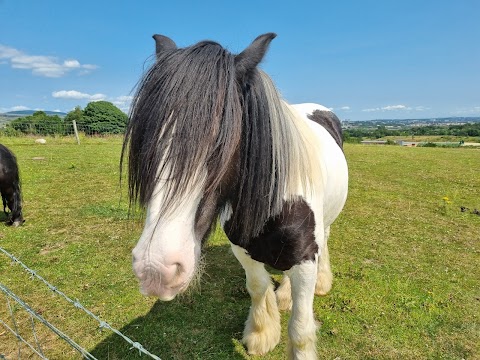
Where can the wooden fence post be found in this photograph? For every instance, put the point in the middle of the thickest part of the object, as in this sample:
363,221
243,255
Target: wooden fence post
76,131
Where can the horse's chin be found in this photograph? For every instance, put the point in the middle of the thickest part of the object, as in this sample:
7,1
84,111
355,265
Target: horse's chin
161,292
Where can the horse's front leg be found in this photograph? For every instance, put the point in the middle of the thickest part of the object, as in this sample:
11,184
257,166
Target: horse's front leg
323,284
4,200
262,328
302,327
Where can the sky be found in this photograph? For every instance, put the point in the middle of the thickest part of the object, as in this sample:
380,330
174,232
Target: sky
365,60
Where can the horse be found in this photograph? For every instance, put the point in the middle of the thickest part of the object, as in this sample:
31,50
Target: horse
10,187
210,140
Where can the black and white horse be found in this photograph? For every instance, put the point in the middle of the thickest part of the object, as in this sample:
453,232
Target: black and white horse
209,137
10,187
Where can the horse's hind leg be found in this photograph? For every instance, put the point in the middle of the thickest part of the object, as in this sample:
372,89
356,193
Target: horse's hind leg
302,326
262,328
284,294
324,272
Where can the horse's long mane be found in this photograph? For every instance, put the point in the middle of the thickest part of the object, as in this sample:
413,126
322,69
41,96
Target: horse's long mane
191,111
275,166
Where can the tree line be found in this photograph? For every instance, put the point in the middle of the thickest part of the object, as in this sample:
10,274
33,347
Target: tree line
461,130
98,118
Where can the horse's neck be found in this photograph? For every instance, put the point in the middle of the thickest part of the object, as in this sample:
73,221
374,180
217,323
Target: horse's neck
304,155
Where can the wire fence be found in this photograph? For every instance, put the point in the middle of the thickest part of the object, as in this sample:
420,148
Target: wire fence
59,128
35,345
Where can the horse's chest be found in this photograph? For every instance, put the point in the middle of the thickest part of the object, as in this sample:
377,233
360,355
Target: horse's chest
286,240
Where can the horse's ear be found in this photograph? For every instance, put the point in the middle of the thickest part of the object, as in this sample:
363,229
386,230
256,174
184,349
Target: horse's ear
249,58
163,43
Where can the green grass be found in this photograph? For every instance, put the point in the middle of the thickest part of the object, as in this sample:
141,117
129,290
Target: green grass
406,275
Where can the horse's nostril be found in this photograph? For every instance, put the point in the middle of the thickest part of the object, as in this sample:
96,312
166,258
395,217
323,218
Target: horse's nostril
179,268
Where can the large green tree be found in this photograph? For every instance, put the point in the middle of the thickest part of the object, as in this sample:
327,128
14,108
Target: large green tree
102,117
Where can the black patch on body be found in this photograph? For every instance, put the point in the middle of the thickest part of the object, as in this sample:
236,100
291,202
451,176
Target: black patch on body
286,240
330,122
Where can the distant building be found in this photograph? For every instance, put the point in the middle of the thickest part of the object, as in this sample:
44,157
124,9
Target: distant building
407,143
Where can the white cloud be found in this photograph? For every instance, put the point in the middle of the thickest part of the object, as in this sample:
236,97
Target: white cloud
48,66
123,102
19,108
8,52
14,108
71,63
77,95
395,107
389,108
89,66
125,98
343,108
421,108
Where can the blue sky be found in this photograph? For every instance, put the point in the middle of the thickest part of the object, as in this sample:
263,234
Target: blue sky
364,59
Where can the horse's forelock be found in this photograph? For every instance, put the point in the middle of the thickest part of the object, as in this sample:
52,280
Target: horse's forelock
186,113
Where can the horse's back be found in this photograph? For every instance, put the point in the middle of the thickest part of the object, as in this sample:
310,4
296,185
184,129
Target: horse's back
327,132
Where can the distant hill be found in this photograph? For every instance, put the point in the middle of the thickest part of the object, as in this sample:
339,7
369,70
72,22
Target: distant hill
23,113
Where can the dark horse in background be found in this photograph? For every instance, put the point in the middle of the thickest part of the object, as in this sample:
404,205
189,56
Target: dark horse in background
10,187
210,138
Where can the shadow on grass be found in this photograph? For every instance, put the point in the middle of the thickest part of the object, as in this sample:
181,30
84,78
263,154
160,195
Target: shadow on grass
206,324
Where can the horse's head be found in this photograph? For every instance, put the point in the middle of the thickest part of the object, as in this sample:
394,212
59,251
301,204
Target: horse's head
184,138
16,221
14,202
10,186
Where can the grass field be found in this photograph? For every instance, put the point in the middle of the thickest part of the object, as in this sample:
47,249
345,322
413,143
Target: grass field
405,262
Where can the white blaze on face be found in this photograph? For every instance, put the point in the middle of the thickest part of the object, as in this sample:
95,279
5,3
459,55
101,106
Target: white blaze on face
167,254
